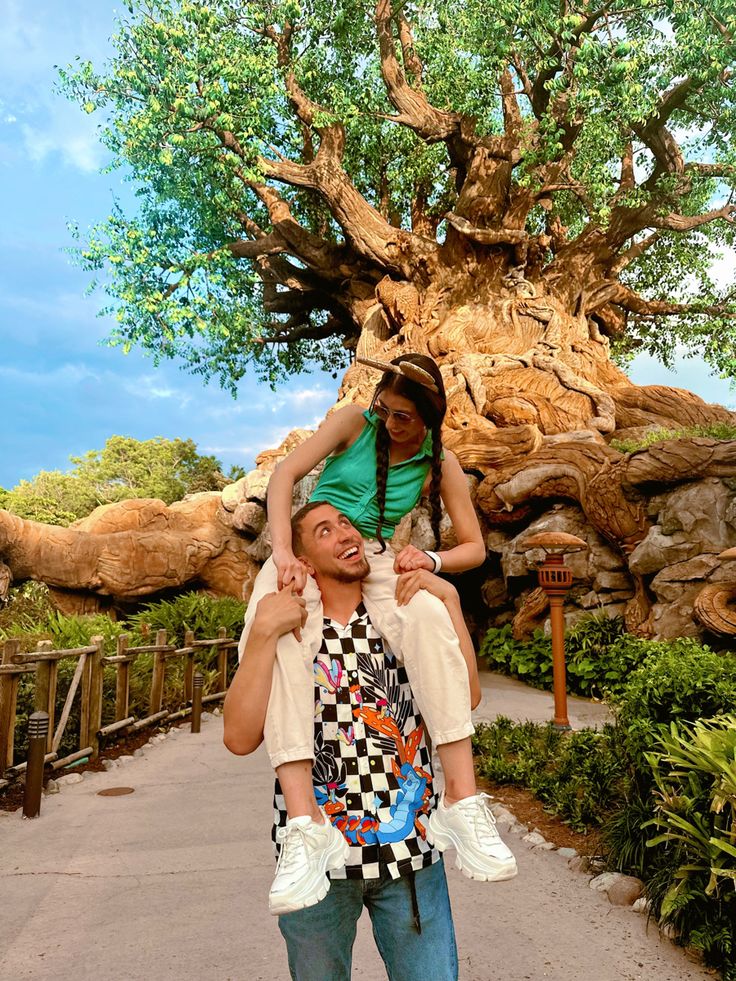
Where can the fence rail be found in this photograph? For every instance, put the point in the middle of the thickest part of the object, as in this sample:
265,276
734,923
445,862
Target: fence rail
88,682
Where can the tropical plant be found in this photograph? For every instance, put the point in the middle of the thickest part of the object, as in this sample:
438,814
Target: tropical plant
694,769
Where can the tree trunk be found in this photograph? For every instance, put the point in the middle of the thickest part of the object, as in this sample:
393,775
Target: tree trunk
533,402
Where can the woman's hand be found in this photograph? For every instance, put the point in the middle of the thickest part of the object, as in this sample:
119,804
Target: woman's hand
411,558
289,570
410,583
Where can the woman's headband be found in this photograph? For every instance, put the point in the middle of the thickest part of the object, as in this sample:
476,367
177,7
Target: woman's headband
406,368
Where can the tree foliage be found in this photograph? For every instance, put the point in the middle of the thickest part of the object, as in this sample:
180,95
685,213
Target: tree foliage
125,468
289,154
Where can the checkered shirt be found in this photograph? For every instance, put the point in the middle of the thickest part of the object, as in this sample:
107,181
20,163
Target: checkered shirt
373,770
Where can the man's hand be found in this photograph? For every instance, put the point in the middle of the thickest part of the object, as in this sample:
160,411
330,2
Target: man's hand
410,582
278,613
411,558
289,570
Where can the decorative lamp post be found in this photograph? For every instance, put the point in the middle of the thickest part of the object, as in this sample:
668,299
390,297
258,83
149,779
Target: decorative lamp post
555,579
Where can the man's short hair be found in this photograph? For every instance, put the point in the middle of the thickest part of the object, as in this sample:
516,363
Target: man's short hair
297,545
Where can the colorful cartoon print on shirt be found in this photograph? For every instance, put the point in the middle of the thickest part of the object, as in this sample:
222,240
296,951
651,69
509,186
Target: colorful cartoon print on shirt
386,718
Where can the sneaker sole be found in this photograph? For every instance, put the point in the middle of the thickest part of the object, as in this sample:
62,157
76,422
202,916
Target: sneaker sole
505,870
336,858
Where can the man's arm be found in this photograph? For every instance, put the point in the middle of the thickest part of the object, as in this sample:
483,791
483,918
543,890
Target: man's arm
246,702
407,586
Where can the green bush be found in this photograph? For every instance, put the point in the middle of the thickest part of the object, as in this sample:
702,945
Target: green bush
599,656
716,430
660,783
191,611
694,768
679,680
576,775
28,606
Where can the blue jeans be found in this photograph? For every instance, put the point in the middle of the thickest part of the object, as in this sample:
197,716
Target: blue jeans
319,939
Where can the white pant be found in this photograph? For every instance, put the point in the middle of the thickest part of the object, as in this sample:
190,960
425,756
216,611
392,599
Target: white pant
420,634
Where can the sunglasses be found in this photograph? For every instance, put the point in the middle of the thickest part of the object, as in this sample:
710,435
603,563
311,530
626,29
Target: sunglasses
384,414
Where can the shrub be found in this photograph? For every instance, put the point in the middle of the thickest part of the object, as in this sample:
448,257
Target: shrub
599,656
680,680
576,775
694,768
28,606
191,611
716,430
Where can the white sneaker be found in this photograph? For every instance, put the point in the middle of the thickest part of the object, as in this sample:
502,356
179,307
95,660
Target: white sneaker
470,828
308,851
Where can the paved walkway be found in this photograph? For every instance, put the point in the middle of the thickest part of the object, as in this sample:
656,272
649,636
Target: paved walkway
170,882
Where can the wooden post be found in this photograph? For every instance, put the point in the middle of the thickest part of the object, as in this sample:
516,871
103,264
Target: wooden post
559,684
197,702
122,680
8,699
47,673
38,727
188,666
222,661
157,679
95,668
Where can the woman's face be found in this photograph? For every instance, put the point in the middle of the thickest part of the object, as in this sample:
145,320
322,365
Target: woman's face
401,418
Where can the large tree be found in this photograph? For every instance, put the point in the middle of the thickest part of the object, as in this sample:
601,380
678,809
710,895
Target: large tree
515,187
302,166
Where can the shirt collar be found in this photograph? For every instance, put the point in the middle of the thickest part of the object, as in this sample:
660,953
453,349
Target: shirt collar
359,615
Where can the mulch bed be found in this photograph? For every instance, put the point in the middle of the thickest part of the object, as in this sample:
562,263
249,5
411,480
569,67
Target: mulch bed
530,812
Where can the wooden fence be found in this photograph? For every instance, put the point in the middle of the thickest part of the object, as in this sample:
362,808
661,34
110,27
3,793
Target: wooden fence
87,680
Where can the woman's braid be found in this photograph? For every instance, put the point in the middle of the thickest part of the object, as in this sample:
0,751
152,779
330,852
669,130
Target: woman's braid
435,501
383,442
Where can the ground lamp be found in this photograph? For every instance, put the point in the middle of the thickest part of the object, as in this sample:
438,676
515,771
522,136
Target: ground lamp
555,579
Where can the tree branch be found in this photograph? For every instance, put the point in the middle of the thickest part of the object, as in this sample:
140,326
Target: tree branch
486,236
414,110
686,223
626,258
635,303
540,97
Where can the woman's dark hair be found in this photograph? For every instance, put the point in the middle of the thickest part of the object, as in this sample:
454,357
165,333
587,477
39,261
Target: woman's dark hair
431,407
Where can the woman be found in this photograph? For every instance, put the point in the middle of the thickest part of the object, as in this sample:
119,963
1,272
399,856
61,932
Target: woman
378,463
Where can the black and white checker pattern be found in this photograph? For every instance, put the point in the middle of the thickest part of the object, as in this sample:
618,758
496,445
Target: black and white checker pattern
353,671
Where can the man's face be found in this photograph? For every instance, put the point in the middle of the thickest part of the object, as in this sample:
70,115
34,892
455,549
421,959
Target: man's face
332,547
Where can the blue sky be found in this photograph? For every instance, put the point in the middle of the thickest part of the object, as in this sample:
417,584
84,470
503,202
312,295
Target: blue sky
62,391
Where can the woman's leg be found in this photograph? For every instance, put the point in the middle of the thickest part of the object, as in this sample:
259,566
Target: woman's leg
314,846
422,632
421,635
289,728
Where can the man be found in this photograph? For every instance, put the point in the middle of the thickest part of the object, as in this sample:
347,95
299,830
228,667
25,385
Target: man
372,772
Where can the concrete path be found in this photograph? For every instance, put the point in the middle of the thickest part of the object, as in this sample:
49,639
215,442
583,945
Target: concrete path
170,882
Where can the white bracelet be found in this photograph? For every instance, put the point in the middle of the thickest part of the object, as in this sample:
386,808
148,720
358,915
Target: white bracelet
435,558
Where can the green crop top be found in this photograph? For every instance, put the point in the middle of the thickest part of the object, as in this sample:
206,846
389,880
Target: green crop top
348,482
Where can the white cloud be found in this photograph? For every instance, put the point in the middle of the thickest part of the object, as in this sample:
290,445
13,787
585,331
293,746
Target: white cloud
62,375
32,42
150,387
304,395
75,140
